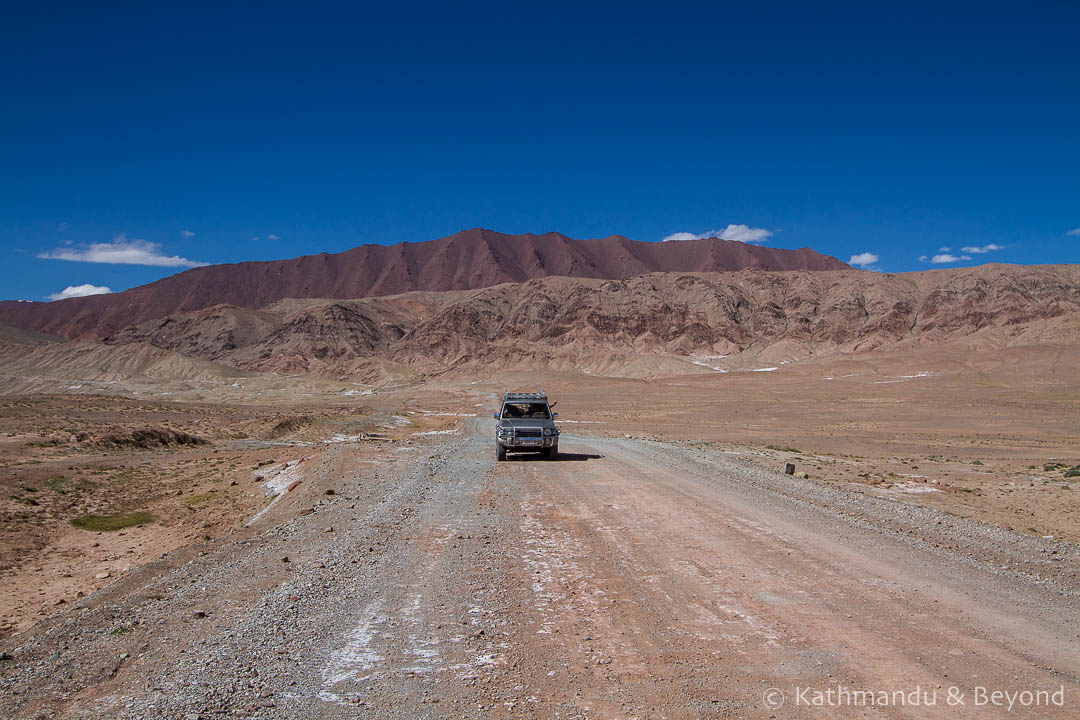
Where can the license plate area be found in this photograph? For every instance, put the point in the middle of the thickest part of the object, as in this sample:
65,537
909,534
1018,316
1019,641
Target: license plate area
530,442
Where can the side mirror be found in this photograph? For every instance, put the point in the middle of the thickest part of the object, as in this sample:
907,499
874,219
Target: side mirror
496,416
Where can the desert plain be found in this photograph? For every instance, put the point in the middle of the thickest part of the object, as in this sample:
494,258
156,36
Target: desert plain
297,512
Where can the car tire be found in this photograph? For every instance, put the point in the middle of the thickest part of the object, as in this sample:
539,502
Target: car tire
500,452
551,453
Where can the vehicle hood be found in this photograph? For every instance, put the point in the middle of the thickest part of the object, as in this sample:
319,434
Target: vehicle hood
525,422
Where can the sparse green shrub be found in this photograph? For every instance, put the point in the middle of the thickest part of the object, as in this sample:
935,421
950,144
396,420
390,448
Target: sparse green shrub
206,497
119,521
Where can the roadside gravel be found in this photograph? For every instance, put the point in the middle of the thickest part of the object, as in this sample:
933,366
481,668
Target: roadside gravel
631,579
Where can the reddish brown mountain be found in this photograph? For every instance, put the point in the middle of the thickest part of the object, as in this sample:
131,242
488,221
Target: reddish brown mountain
471,259
660,323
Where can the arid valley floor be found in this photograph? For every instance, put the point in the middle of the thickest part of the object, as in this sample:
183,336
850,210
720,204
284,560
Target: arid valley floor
316,548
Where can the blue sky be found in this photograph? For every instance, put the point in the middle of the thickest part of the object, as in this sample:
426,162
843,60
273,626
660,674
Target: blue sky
180,135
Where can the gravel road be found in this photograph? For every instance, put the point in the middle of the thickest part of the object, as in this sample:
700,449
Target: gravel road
630,579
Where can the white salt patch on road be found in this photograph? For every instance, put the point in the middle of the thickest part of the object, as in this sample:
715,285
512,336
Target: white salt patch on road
278,479
433,413
551,554
902,378
353,393
768,369
437,432
914,488
423,653
357,655
344,439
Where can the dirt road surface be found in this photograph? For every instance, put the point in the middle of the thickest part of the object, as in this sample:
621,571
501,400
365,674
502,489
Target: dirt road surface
629,579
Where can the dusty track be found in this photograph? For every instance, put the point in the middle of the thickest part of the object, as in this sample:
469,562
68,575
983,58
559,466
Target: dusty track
630,579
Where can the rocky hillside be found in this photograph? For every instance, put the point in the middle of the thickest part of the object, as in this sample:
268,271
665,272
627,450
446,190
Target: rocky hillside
467,260
677,321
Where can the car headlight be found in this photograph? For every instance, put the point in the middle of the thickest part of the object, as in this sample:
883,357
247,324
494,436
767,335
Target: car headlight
550,431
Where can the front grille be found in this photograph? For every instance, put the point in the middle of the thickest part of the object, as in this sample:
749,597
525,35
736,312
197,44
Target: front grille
530,432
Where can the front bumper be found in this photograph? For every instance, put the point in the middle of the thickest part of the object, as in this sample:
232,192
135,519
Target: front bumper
527,443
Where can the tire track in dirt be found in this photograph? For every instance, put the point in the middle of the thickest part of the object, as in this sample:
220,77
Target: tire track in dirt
656,591
632,580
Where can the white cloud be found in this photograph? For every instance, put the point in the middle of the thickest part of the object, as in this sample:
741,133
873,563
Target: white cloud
187,233
73,291
944,249
979,250
863,259
272,236
681,236
738,233
1074,232
923,258
121,251
947,258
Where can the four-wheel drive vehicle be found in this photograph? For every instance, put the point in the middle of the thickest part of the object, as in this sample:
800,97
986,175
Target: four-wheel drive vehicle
526,424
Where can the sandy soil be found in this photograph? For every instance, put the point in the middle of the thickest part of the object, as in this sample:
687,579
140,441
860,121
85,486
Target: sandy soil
664,568
979,439
631,579
54,469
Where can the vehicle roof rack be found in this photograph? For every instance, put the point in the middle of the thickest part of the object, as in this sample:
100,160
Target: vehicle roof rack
507,395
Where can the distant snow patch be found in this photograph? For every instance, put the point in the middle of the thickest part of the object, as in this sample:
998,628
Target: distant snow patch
768,369
702,363
395,422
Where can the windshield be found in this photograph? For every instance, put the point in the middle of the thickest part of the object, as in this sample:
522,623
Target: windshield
535,411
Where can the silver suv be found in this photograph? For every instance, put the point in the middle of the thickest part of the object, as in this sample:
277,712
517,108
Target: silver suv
526,424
